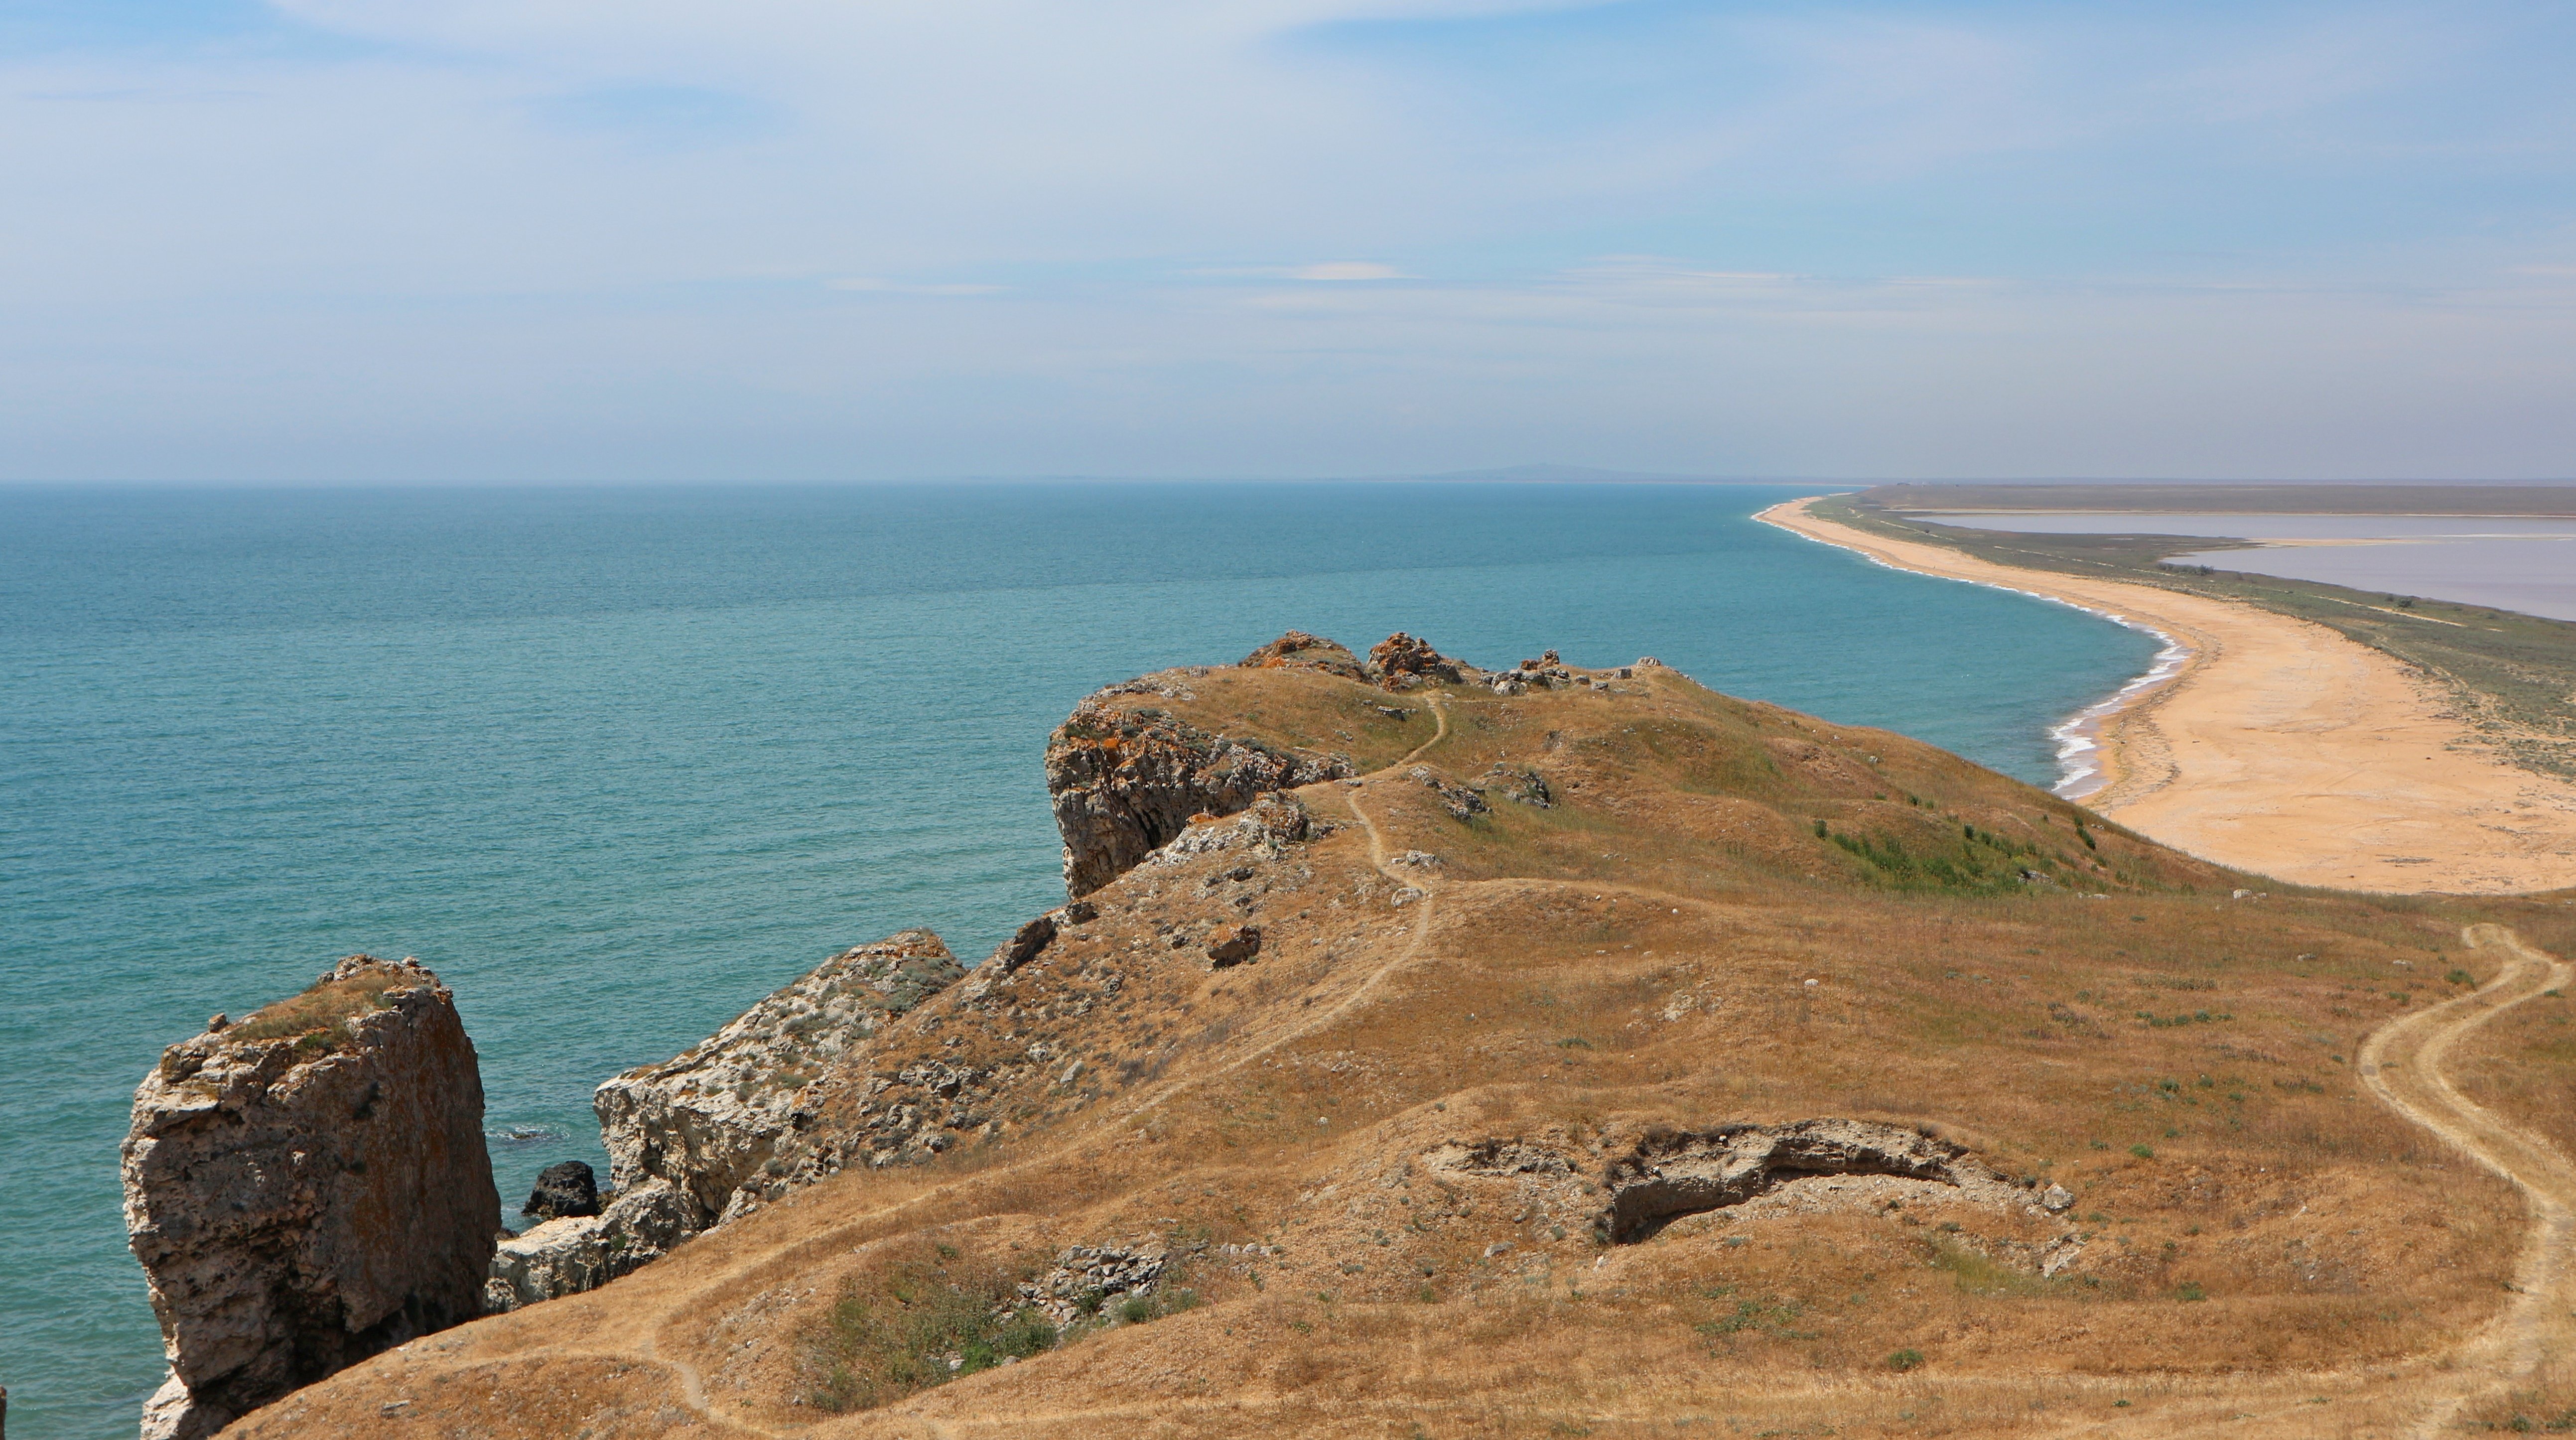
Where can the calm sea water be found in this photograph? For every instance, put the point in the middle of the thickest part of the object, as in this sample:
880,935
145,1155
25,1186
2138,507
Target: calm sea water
618,762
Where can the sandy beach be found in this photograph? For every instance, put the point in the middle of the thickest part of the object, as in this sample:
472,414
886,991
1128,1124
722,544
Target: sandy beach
2281,747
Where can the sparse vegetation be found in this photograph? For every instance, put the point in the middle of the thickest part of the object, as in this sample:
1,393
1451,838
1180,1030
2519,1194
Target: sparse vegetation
318,1018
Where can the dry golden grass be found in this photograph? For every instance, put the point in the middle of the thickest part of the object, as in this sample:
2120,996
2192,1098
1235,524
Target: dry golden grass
320,1014
2262,1235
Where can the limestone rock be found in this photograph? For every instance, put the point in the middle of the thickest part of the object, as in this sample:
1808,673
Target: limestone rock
583,1252
1125,783
1022,947
707,1122
1085,1276
306,1187
563,1190
1298,650
1682,1173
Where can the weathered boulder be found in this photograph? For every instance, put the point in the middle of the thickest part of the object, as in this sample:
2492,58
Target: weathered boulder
1126,782
1233,944
1298,650
709,1122
1401,661
306,1187
563,1190
583,1252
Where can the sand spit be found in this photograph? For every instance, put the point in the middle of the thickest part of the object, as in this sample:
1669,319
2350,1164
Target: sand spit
2279,746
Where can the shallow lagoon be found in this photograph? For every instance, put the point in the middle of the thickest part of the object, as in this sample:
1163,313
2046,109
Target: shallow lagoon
2503,562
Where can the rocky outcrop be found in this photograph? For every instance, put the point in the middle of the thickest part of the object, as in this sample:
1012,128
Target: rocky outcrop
1463,802
1087,1276
1401,661
308,1187
1804,1165
1127,782
709,1123
1672,1174
584,1252
1520,783
1298,650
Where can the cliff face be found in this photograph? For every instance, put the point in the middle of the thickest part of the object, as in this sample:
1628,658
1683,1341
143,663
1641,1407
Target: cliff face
1126,781
710,1123
307,1188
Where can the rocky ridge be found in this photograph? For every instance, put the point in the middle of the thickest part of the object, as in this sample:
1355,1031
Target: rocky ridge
712,1122
307,1188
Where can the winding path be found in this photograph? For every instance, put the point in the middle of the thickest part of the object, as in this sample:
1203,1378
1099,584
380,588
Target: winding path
2401,1067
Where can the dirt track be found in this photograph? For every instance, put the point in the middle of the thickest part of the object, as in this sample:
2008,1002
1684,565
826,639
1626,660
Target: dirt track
2401,1065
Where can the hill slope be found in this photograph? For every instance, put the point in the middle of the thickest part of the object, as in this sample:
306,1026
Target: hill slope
1596,1059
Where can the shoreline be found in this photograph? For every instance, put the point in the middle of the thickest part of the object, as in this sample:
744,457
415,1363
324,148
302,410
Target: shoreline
2270,744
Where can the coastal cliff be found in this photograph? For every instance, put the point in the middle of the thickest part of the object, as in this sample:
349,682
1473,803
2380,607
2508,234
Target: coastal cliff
1127,781
306,1188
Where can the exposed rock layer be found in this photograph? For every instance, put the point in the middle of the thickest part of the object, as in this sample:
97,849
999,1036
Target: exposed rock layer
1127,782
710,1123
1684,1173
1298,650
583,1252
308,1187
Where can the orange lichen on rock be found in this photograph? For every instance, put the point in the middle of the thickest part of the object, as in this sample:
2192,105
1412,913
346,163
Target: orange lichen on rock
1401,661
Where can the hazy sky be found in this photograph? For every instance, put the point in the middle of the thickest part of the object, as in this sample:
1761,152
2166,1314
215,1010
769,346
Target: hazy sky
790,239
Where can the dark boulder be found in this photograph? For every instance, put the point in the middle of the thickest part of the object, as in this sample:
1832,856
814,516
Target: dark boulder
568,1188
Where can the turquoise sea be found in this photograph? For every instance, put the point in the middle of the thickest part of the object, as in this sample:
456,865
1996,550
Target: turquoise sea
616,762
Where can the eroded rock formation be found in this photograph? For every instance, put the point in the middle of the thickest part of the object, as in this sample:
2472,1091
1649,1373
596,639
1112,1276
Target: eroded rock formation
1298,650
583,1252
308,1187
709,1122
1127,782
1401,661
1676,1173
1666,1174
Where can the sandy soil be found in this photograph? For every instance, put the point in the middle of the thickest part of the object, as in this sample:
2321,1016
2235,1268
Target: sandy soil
2284,748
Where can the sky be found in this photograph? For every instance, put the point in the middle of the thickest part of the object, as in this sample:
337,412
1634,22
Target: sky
379,241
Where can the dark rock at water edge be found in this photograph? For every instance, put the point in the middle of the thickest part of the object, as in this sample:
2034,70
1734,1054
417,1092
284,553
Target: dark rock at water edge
564,1189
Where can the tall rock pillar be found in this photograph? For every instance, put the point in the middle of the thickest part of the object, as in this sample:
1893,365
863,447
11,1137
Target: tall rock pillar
308,1187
